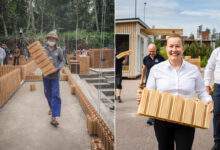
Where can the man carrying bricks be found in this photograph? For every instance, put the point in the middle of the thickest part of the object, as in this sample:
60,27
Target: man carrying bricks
51,81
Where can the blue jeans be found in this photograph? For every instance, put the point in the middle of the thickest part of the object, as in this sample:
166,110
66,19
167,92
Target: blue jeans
216,118
52,93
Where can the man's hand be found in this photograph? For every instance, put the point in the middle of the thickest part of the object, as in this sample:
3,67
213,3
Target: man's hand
141,86
139,93
209,90
55,70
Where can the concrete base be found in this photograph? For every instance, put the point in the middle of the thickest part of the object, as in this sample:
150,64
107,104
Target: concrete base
25,123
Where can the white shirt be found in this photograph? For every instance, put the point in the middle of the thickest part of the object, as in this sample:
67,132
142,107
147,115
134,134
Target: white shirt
212,70
186,82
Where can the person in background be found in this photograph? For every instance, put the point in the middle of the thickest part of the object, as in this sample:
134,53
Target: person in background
65,54
17,53
51,81
7,51
2,54
212,71
149,61
118,76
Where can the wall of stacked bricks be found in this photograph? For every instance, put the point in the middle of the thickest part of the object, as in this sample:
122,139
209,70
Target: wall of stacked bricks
84,62
22,60
10,80
28,69
95,124
108,56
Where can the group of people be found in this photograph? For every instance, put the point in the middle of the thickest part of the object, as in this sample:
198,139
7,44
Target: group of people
6,54
179,77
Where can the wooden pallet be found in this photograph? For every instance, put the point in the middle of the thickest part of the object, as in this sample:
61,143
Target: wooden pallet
165,106
40,57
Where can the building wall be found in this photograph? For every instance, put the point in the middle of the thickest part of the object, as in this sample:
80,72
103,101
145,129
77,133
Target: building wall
108,58
133,29
129,28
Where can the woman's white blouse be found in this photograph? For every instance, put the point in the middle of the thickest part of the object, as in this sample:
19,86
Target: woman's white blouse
186,82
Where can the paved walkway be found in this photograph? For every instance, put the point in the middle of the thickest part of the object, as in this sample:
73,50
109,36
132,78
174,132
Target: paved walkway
133,134
24,122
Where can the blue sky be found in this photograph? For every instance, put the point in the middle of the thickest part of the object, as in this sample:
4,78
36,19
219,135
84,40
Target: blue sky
185,14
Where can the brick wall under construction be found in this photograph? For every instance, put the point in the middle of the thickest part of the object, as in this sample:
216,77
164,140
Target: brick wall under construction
95,59
10,80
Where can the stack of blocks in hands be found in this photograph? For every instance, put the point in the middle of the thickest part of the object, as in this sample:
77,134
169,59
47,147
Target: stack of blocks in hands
40,57
165,106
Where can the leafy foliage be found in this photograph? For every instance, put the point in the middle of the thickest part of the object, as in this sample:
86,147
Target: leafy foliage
37,17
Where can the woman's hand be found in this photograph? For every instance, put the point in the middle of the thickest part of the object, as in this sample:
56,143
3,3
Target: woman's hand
210,105
209,90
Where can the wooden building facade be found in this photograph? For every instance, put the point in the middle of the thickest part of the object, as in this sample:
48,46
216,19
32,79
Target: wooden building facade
129,35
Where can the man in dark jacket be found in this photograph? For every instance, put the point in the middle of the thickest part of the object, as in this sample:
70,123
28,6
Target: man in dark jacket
149,61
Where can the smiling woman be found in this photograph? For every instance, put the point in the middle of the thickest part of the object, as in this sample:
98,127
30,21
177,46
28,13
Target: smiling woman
181,78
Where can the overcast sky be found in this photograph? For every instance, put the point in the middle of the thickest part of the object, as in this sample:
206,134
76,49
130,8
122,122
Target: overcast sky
185,14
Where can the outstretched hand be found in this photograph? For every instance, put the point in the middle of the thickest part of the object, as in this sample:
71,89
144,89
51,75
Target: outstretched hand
211,106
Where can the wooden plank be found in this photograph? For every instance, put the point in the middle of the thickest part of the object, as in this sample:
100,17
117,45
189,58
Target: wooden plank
207,119
37,54
143,103
47,68
34,50
44,63
176,108
165,105
199,114
162,31
41,58
188,111
34,46
153,102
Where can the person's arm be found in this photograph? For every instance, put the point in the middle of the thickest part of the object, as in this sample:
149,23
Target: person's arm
151,80
202,92
200,88
61,59
4,53
209,70
143,74
151,84
16,52
19,52
125,60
